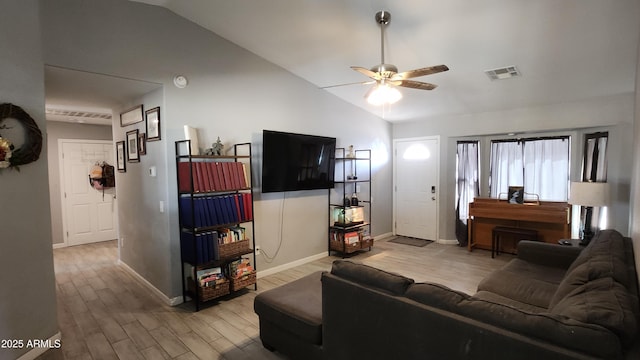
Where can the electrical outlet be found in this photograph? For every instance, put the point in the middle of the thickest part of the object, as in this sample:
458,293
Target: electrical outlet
257,249
122,242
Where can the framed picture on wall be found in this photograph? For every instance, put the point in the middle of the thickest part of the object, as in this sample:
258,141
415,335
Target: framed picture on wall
133,154
153,124
121,164
516,195
142,143
131,116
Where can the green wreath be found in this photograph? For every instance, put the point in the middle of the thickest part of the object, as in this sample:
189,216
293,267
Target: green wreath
30,149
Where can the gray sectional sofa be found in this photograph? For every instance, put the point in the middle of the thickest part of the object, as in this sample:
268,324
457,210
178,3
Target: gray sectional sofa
551,302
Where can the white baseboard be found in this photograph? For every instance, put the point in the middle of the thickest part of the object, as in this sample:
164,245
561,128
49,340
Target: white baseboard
447,242
37,351
287,266
383,236
59,245
167,300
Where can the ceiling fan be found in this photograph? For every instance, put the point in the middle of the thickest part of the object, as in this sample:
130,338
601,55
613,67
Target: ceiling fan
386,76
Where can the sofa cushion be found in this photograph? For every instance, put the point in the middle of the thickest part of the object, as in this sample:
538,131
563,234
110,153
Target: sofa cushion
386,281
583,337
604,302
550,274
520,287
605,256
608,242
435,295
499,299
296,306
597,267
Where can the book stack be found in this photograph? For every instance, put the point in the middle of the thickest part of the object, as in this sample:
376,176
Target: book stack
351,237
210,277
206,247
230,235
216,210
212,176
240,268
207,244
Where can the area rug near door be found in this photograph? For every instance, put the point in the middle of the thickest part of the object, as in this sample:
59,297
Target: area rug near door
410,241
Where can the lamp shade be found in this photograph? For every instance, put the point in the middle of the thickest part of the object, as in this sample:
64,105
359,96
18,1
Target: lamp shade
589,194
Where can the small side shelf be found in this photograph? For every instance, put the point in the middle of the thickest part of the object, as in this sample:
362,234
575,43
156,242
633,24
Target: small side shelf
350,203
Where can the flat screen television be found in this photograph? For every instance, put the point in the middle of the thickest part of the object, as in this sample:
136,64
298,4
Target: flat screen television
292,162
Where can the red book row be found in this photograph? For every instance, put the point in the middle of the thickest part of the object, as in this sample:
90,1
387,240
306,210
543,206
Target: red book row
212,176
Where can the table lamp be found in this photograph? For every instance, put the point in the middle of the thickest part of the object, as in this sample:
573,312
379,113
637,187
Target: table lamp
588,194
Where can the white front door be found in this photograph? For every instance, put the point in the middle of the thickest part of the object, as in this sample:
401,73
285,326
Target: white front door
416,169
89,215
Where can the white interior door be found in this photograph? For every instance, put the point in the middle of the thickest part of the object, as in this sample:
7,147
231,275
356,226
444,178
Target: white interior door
89,215
416,177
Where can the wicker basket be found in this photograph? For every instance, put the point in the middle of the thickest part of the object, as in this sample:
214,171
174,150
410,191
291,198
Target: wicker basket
210,292
366,243
343,247
244,281
233,249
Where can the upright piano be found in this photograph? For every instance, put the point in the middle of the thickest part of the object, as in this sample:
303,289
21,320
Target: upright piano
552,220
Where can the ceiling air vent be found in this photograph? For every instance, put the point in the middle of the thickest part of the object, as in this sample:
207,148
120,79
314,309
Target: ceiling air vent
78,115
503,73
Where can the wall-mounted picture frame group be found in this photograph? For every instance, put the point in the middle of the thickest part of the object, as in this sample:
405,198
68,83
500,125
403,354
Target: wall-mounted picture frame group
132,116
133,154
153,124
121,150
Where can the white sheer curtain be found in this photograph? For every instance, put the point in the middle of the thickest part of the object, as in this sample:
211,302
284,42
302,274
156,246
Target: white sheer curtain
468,185
506,167
541,165
546,163
467,177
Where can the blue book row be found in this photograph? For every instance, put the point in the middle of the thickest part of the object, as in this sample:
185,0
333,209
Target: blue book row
206,247
216,210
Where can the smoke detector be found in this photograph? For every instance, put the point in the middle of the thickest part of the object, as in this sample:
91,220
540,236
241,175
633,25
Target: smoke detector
503,73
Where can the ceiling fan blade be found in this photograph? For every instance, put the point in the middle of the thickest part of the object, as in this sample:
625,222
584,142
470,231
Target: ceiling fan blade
420,72
354,83
367,72
417,85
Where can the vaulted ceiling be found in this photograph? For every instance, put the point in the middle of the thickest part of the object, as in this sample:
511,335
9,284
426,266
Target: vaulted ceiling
565,50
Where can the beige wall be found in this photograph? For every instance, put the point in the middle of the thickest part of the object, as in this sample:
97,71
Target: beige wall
27,291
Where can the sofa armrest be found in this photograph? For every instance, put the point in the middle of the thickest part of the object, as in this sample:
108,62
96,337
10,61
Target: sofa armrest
547,254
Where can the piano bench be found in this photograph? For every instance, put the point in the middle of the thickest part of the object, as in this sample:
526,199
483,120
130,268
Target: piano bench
512,232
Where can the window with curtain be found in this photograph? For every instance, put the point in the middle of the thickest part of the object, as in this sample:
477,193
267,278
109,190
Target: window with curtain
467,185
594,168
541,165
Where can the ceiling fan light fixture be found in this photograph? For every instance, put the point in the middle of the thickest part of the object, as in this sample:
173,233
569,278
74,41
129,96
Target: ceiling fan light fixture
383,94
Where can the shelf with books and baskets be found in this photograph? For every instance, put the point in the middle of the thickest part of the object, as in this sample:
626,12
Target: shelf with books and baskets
217,233
350,203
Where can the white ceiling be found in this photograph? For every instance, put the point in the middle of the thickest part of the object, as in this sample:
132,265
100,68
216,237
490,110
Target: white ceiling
566,50
84,97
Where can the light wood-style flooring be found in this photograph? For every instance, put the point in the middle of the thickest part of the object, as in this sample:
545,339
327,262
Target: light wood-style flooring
105,313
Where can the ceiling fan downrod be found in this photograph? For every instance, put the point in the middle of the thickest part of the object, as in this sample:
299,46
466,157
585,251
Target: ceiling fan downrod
383,18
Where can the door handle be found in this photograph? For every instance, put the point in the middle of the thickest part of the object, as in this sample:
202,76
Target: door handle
433,198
